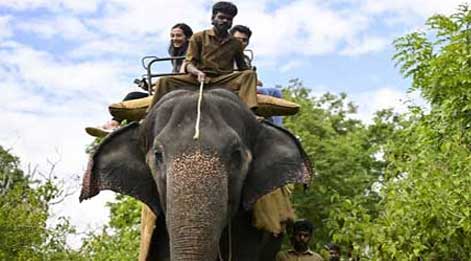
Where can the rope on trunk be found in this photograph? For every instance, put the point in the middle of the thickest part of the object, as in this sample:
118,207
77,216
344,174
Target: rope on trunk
198,116
195,137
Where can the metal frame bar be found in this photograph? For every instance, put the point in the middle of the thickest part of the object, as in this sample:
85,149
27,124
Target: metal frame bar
155,59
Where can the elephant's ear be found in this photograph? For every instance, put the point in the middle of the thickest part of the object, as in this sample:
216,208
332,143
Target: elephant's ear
278,159
119,165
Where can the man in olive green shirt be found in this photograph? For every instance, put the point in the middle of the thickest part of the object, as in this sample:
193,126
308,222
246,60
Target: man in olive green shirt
210,59
302,233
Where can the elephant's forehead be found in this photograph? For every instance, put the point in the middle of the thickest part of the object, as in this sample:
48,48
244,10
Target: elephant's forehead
198,182
196,164
219,108
224,120
202,173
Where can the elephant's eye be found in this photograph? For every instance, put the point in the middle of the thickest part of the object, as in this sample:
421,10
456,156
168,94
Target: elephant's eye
236,157
158,157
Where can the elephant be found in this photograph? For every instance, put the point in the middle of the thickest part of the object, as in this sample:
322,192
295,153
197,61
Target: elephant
202,190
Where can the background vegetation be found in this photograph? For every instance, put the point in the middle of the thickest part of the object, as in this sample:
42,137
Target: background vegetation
397,188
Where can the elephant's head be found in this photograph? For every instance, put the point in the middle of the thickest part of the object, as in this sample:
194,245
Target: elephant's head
197,184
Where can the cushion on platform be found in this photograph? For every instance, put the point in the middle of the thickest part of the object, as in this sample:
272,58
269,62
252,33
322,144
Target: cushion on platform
134,110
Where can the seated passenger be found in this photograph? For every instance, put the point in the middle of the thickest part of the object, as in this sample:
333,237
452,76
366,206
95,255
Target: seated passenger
243,34
210,59
179,37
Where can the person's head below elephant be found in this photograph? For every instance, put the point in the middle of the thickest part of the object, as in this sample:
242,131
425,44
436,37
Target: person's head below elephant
334,251
301,235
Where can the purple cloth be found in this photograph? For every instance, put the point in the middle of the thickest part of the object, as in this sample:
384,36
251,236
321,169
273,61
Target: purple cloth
275,92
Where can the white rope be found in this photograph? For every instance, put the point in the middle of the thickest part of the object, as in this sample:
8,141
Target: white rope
198,116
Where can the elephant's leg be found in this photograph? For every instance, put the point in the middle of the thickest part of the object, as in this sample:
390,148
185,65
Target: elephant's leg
159,247
148,219
270,246
248,243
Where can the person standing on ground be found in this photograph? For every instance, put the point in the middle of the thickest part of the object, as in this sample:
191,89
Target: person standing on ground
334,252
301,235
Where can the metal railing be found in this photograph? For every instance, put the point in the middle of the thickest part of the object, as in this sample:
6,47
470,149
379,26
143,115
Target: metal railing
148,61
148,67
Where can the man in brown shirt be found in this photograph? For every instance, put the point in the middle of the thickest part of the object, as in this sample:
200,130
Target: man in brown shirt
302,233
210,59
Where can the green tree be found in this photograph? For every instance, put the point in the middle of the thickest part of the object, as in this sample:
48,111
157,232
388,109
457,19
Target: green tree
343,151
425,207
119,239
24,210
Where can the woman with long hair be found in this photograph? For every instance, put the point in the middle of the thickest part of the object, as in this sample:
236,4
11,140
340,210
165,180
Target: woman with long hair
179,37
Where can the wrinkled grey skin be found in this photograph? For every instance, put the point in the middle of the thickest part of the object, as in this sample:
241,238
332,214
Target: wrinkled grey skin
198,186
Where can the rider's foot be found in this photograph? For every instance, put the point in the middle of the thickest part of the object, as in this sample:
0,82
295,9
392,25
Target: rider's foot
101,132
111,125
97,131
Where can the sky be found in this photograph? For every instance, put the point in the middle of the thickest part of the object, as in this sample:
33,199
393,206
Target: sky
62,62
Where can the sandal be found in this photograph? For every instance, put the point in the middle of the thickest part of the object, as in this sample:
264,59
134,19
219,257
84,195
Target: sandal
98,132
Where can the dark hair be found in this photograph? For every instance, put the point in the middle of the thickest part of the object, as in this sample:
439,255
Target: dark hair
303,225
225,8
332,246
181,51
241,28
185,28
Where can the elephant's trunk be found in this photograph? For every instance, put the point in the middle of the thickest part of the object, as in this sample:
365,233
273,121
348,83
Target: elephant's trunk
197,199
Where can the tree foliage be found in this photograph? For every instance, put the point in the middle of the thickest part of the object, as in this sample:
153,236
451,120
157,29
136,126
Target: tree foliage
425,207
398,188
344,152
24,211
119,239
